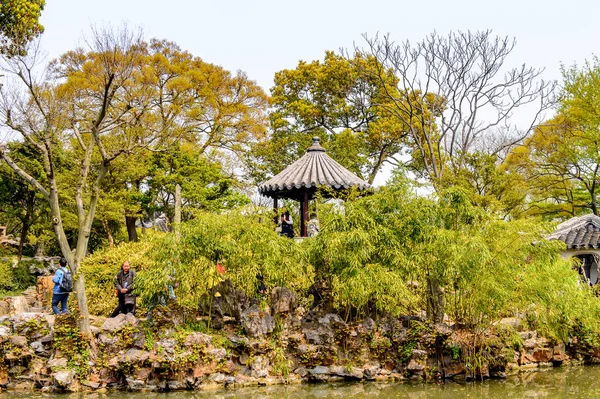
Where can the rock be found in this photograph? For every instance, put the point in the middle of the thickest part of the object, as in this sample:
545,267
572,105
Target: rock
543,355
135,385
238,342
370,371
313,337
259,368
454,369
347,372
333,320
177,385
38,348
230,301
64,378
134,356
26,321
301,371
256,323
319,370
282,300
5,332
5,307
57,363
117,323
442,329
369,324
107,340
197,339
218,353
558,353
530,343
167,345
90,384
419,354
415,366
304,349
218,378
18,340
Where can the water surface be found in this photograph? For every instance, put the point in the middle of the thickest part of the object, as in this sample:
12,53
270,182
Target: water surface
579,382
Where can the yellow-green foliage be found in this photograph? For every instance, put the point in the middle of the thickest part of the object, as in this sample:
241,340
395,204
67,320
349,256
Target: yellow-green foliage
6,277
243,244
101,268
388,249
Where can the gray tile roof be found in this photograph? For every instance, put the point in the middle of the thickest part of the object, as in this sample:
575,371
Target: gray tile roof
579,232
314,169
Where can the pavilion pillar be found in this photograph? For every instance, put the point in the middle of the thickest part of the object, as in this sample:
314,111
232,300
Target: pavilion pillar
303,215
275,205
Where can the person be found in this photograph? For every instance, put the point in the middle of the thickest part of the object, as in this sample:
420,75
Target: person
312,228
287,225
261,288
58,296
124,286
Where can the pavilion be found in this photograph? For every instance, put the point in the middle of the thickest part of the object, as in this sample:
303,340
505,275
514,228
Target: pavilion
301,180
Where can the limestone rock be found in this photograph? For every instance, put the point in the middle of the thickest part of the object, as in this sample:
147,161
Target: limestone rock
57,363
543,355
18,340
415,366
64,378
256,323
5,332
218,354
230,301
259,368
117,323
370,371
283,300
197,339
319,370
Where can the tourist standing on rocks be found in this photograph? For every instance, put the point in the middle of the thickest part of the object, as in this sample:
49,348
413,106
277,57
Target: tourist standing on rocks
63,285
124,282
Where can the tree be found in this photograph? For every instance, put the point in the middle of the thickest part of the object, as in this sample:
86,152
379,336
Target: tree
19,23
84,107
561,159
21,207
455,91
338,100
214,114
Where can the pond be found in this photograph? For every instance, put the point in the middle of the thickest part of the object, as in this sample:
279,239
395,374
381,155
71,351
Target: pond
580,382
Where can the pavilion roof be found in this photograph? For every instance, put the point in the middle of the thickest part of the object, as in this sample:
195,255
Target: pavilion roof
579,232
313,170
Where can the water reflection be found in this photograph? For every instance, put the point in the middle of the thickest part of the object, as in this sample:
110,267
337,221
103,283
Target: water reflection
578,382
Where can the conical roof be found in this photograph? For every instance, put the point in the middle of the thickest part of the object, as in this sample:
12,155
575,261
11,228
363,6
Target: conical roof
314,169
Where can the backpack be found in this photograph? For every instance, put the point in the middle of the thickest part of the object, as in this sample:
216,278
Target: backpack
66,284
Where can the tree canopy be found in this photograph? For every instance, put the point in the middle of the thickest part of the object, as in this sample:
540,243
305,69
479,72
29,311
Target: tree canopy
19,23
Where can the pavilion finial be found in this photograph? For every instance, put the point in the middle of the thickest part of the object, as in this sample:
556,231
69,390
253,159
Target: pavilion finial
316,145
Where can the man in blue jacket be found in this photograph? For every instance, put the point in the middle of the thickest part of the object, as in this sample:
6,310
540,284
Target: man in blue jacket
57,295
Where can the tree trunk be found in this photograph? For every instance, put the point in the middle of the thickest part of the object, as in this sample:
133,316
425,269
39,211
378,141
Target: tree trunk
177,218
27,221
111,240
131,231
435,301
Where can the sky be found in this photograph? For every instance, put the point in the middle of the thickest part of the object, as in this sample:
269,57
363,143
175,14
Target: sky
261,37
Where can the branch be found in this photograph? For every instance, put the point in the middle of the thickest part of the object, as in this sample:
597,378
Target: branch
28,178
